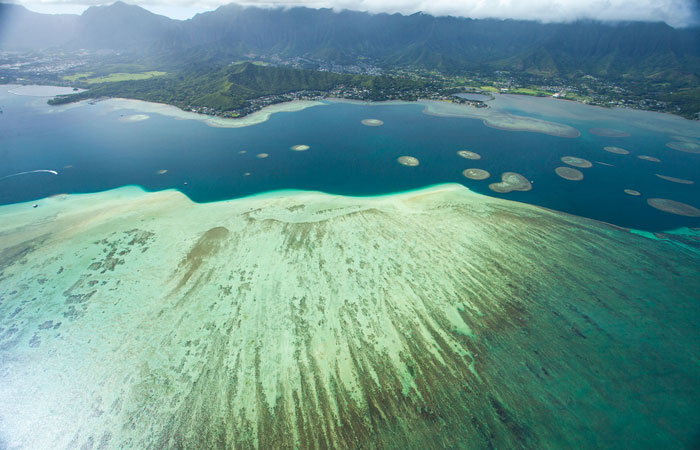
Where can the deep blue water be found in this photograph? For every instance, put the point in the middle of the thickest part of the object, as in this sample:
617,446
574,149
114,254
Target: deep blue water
345,158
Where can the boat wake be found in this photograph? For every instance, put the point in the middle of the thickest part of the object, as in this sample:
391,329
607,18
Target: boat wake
28,172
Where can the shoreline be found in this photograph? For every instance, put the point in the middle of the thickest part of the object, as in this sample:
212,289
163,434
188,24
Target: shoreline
257,117
135,190
260,116
165,109
548,106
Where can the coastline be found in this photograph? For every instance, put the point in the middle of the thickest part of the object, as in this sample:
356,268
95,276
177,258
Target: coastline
119,104
495,115
263,115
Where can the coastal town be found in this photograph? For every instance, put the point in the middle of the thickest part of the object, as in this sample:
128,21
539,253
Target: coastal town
57,68
341,92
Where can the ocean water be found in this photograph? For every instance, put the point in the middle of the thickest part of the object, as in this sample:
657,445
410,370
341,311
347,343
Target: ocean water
435,318
93,150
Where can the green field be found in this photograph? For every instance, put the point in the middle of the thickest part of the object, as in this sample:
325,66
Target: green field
489,89
528,91
257,63
576,97
77,76
112,77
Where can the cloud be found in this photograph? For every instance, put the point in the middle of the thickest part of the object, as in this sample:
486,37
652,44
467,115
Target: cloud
673,12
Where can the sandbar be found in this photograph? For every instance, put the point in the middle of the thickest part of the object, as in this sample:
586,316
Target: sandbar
262,155
674,207
691,139
687,147
408,161
42,91
469,154
499,120
372,122
511,181
476,174
649,158
134,118
616,150
255,118
674,180
576,162
632,192
162,171
300,148
569,173
608,132
510,122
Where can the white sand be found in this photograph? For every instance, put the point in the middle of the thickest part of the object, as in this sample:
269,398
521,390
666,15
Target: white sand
219,122
500,120
134,118
41,91
408,161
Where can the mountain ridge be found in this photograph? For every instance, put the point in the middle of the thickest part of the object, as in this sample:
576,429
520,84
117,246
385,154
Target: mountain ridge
643,57
418,40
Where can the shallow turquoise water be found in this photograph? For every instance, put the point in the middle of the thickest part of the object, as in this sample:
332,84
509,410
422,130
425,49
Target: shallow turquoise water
345,157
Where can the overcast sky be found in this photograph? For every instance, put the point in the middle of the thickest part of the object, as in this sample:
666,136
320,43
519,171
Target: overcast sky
673,12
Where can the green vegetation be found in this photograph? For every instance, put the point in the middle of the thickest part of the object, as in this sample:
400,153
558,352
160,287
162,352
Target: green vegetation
576,97
77,76
238,89
117,77
530,91
110,78
257,63
636,65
